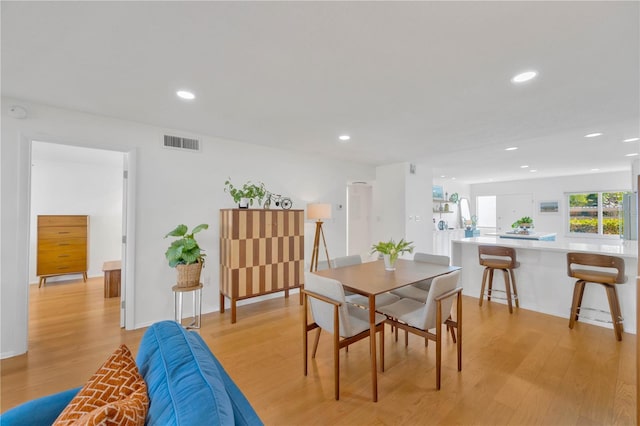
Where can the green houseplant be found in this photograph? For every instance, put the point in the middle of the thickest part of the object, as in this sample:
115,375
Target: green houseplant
245,195
523,222
390,250
185,255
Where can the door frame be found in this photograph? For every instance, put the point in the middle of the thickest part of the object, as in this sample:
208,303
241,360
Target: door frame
128,230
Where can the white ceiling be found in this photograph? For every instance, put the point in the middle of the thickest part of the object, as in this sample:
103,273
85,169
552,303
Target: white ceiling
409,81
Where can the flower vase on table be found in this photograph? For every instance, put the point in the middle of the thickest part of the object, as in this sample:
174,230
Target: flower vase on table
389,262
390,251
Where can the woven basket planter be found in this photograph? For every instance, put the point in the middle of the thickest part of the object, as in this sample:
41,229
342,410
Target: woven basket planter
189,275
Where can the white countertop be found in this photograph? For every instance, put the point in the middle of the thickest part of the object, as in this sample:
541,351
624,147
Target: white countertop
620,248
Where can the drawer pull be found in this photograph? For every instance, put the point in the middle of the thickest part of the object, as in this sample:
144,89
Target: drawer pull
63,244
64,255
64,232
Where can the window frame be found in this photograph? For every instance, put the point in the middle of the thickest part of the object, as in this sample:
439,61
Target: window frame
600,217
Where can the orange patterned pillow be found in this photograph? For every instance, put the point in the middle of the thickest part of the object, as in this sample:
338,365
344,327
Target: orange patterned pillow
115,394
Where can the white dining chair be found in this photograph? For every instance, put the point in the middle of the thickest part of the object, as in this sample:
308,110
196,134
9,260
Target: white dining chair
420,290
358,299
332,313
420,318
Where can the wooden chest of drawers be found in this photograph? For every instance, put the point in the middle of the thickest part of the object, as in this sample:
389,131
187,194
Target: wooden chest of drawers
62,246
261,252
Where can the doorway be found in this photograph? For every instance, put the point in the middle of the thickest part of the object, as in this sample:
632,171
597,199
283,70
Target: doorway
359,205
72,180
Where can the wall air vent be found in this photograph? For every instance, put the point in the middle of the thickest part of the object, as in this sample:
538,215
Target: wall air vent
177,142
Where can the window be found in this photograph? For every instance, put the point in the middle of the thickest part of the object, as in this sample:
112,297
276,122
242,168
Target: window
596,213
486,211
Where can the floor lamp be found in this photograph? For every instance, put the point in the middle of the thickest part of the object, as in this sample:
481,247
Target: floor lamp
319,212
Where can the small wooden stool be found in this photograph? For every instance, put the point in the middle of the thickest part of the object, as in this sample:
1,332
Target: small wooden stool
112,277
602,276
503,258
197,304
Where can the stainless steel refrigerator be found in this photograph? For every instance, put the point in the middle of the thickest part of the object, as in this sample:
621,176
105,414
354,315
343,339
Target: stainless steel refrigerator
630,216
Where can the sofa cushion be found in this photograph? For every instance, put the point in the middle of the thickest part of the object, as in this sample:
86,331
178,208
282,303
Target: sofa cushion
184,384
115,394
38,412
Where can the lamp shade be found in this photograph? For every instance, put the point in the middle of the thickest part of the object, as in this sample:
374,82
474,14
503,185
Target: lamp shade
318,211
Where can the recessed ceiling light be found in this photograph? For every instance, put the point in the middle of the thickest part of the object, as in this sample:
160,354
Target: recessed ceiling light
595,170
185,94
524,166
524,76
442,176
631,140
533,170
593,135
453,178
633,154
511,148
344,138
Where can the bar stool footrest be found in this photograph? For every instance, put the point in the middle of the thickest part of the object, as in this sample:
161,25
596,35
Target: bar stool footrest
487,295
607,321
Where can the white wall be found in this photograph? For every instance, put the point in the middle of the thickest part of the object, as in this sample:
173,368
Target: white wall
73,180
402,205
549,189
172,187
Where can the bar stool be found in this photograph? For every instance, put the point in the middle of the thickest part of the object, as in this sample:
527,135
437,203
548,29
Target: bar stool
197,304
604,277
503,258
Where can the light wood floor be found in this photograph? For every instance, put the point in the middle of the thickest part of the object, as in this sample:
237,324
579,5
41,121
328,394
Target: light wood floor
520,369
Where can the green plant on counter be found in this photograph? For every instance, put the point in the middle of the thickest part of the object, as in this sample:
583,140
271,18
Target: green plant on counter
392,248
523,222
185,250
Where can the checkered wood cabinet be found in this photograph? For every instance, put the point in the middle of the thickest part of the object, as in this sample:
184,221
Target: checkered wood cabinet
261,252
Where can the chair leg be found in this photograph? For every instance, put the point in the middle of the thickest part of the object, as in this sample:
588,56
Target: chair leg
406,338
490,284
614,309
484,280
507,286
515,289
336,352
381,348
452,331
578,290
459,327
315,343
438,345
305,336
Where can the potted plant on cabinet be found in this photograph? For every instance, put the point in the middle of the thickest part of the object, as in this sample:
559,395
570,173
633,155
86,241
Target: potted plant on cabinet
245,195
390,250
185,255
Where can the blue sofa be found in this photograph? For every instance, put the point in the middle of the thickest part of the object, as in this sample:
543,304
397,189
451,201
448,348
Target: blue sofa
186,385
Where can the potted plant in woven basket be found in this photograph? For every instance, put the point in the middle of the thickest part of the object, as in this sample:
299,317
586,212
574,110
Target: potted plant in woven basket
390,250
185,255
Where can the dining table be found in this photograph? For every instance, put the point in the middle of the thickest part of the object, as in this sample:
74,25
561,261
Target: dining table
371,278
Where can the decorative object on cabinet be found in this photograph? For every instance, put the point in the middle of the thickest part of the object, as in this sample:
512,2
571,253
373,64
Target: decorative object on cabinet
261,252
438,192
185,255
319,212
245,196
390,250
279,201
62,246
454,197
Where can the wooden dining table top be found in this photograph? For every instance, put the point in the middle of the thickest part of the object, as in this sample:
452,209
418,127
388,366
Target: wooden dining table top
371,278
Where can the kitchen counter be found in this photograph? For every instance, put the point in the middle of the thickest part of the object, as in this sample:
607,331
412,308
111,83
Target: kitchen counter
539,236
542,280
